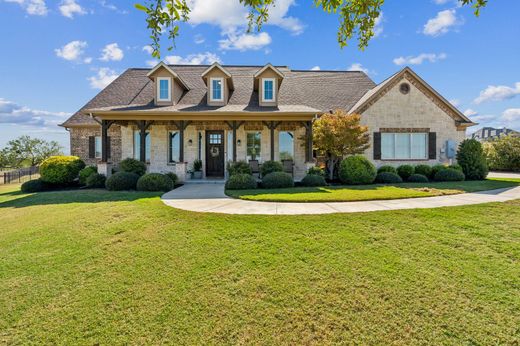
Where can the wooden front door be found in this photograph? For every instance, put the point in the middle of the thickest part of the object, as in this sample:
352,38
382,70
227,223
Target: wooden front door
215,153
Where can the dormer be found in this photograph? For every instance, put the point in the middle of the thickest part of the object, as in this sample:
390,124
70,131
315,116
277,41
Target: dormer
267,82
168,86
219,83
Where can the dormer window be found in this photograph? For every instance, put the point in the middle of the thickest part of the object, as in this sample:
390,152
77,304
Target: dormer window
269,89
164,89
216,91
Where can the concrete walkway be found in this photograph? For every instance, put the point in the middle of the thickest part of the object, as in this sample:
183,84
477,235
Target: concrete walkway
211,198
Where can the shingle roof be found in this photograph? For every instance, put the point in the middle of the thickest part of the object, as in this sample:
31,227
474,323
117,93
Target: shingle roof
305,91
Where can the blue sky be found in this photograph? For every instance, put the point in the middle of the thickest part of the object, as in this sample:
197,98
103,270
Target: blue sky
56,55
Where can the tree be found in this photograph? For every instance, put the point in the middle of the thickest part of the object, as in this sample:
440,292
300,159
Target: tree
28,151
337,135
356,17
503,153
470,156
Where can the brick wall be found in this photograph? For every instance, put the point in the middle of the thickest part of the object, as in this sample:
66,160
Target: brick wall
79,142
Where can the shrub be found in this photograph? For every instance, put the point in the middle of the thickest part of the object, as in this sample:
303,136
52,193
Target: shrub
313,180
122,181
316,171
418,178
197,165
173,177
436,168
239,167
270,167
471,158
132,166
425,170
35,185
154,182
503,153
387,169
388,178
85,173
449,174
241,181
277,180
405,171
456,167
357,170
96,180
61,170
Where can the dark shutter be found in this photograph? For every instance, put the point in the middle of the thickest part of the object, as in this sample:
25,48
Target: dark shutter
109,147
377,145
432,145
92,147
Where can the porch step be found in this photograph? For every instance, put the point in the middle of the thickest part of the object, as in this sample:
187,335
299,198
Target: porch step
205,181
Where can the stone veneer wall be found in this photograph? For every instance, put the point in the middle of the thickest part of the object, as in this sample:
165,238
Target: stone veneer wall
79,142
413,110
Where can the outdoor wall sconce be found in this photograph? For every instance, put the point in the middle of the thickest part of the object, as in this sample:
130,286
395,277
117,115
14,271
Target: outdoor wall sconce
190,142
239,142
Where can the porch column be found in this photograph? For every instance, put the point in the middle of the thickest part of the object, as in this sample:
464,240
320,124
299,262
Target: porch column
308,134
181,140
105,125
272,125
234,141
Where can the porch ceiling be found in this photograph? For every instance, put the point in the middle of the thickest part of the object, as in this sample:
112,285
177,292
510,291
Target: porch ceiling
206,116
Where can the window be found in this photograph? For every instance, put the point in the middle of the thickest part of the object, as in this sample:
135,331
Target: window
404,146
253,145
286,145
98,147
269,92
163,89
174,146
216,89
137,145
215,138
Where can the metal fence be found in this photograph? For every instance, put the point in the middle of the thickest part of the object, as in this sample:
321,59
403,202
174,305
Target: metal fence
20,175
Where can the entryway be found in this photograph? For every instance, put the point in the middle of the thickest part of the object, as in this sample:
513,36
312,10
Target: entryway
214,153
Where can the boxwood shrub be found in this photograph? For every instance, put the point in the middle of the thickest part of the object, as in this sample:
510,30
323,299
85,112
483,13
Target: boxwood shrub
173,177
132,166
276,180
239,167
316,171
85,173
270,167
35,185
61,170
154,182
357,170
425,170
241,181
449,174
387,169
405,171
96,180
388,178
435,169
418,178
122,181
313,180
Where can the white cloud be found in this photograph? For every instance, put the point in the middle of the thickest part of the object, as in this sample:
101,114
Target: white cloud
441,2
12,113
357,67
148,49
73,51
102,78
470,112
32,7
206,58
378,25
245,42
69,8
498,93
511,114
199,39
112,52
112,7
419,59
442,23
315,68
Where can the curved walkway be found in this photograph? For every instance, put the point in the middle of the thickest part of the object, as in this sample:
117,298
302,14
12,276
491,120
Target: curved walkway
210,198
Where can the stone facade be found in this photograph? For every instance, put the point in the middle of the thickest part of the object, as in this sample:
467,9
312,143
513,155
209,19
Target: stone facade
79,143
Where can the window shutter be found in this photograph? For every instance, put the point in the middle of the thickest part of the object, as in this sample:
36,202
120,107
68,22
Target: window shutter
109,147
92,147
432,145
377,145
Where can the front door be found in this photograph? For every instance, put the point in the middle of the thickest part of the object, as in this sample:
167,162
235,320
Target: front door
215,153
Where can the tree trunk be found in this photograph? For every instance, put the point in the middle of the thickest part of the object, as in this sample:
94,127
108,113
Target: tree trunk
331,163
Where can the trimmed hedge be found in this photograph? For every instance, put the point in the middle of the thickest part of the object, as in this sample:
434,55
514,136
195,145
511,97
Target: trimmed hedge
470,156
276,180
388,178
425,170
316,171
387,169
96,180
132,166
418,178
85,173
61,170
239,167
173,177
449,174
311,180
435,169
122,181
270,167
241,181
357,170
154,182
35,185
405,171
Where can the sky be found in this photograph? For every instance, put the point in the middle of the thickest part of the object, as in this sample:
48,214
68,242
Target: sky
58,54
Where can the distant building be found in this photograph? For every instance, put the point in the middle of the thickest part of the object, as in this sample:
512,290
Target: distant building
490,133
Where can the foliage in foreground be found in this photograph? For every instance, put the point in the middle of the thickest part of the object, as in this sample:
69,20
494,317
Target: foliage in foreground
241,181
503,154
449,174
61,170
313,180
154,182
276,180
356,170
130,165
239,167
122,181
471,158
388,178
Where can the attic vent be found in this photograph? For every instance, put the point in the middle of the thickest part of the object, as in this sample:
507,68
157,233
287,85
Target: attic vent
404,88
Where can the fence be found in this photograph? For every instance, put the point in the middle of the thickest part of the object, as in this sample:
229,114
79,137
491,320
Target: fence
20,175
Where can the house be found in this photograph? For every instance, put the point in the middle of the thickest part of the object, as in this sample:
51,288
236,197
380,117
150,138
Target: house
491,133
170,115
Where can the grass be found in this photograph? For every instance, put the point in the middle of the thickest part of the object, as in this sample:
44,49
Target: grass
370,192
93,267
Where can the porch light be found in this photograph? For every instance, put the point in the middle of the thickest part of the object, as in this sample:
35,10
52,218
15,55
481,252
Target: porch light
239,142
190,142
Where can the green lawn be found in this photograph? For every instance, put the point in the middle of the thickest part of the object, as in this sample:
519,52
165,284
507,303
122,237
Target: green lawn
370,192
93,267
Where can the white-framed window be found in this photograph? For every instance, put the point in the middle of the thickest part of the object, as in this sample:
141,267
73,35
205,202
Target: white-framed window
254,146
216,89
137,146
174,146
404,146
97,151
164,89
269,89
286,145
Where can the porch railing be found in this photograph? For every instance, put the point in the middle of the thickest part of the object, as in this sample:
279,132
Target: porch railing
20,175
